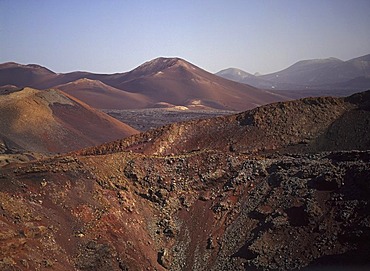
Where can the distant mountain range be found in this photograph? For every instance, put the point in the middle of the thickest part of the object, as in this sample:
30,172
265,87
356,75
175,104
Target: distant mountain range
170,81
176,82
323,74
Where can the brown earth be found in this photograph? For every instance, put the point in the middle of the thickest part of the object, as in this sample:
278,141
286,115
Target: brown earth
146,203
50,122
200,211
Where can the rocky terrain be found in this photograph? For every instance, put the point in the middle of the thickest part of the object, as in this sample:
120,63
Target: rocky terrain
305,125
281,187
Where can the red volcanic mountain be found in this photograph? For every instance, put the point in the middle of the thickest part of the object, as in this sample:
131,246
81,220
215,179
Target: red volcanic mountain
162,80
178,82
50,121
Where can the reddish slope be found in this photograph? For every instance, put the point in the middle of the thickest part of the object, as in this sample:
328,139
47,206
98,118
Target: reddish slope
99,95
50,121
178,82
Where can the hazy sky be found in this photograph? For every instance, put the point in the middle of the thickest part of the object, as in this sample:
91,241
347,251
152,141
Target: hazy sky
116,36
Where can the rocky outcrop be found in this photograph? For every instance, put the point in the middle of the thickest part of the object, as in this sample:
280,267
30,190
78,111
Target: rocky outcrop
200,211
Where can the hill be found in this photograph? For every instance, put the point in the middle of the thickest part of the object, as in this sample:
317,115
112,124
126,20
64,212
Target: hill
21,76
49,121
179,82
305,125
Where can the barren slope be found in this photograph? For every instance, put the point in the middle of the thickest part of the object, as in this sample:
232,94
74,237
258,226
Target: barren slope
49,121
99,95
310,124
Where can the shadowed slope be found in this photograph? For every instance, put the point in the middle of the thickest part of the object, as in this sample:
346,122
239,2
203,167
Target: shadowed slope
49,121
25,75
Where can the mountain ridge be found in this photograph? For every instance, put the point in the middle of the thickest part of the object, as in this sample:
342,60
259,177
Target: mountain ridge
300,125
161,80
312,73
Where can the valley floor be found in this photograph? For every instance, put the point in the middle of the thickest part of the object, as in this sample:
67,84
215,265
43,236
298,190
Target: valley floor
145,119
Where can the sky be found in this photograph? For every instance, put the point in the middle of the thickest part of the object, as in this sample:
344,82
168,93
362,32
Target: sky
116,36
